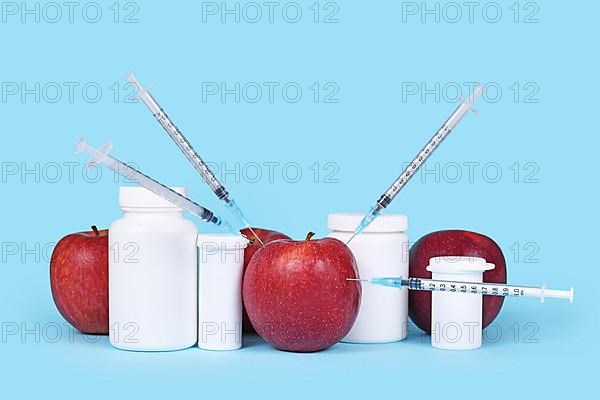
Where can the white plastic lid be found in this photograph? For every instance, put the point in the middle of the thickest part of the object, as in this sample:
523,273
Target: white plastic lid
140,197
458,265
222,241
347,222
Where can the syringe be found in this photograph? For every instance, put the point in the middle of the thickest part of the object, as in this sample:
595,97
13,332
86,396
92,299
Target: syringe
101,156
493,289
387,197
186,148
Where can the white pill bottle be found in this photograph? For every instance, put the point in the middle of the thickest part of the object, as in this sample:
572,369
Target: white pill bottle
456,318
381,250
152,274
221,267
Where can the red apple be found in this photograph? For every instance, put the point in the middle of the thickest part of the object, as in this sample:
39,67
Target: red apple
297,295
453,243
266,236
79,280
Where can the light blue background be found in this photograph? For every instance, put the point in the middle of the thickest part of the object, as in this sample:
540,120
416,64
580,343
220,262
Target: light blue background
372,54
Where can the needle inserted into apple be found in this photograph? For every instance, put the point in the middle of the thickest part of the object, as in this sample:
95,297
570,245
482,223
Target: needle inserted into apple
389,195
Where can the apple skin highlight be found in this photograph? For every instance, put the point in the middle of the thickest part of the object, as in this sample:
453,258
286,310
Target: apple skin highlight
297,295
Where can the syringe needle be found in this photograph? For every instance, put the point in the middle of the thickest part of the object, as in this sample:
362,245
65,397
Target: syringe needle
237,212
352,237
256,235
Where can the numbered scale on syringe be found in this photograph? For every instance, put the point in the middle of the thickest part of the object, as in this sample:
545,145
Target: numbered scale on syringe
466,287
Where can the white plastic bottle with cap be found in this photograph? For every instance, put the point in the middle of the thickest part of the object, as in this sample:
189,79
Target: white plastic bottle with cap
456,318
152,274
221,268
381,250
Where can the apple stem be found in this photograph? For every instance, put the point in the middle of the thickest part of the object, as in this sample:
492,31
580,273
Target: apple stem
95,229
309,236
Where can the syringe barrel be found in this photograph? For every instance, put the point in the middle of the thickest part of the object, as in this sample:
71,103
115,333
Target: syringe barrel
490,289
429,148
158,188
193,157
144,180
406,175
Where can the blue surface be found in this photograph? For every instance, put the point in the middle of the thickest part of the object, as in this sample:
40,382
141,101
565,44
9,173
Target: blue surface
542,125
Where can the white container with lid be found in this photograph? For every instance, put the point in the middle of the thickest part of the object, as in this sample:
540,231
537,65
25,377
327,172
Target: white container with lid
221,262
381,250
456,319
152,274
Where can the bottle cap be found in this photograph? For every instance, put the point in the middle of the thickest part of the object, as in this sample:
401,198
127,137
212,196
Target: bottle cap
222,241
221,269
385,223
458,264
140,197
